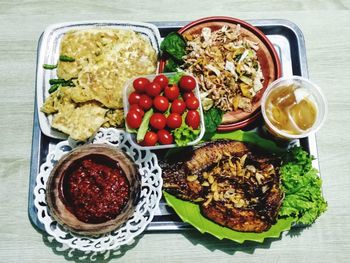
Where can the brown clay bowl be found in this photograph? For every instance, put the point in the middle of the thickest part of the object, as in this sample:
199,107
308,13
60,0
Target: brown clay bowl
267,56
60,205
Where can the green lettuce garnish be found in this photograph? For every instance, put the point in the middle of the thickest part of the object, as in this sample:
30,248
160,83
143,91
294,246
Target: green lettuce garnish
302,186
176,78
185,135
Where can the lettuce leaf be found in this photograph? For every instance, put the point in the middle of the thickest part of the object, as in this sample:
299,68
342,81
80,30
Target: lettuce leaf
185,135
302,186
176,78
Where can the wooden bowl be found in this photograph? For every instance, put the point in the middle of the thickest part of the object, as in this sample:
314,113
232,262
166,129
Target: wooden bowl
61,206
267,56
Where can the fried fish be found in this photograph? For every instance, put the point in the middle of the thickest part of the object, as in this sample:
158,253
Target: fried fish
236,184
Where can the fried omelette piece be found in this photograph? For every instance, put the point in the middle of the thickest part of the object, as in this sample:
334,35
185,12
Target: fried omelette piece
81,122
235,183
104,60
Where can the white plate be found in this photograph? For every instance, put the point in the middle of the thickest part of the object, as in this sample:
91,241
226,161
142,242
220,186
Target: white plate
150,194
48,53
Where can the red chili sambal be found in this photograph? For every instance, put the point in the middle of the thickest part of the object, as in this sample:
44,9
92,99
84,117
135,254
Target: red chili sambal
95,189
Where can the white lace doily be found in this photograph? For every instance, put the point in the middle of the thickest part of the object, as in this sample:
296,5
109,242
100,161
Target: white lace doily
151,186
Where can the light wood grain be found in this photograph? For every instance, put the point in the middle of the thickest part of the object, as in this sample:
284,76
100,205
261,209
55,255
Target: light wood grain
326,28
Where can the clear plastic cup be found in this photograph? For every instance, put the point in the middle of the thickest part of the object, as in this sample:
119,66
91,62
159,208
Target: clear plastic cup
293,108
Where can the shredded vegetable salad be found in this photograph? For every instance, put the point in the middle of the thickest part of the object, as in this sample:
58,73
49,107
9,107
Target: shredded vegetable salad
226,65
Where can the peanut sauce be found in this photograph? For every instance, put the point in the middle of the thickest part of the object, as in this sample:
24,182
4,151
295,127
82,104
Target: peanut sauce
95,189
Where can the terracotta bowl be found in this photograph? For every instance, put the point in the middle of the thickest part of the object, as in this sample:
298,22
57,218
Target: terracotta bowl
55,191
267,56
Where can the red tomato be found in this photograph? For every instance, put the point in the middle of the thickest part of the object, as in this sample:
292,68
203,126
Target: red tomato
161,103
162,80
137,108
133,119
165,137
187,83
174,121
151,138
178,106
140,84
192,103
153,89
172,92
157,121
187,95
145,102
193,119
134,98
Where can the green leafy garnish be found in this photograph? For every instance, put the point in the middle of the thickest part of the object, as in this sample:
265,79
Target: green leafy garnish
302,186
176,78
174,46
212,119
171,65
185,135
144,126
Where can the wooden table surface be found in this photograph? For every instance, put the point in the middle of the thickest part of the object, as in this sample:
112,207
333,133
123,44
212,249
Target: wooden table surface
326,27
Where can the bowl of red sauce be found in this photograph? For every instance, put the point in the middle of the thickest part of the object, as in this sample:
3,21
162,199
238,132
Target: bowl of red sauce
93,189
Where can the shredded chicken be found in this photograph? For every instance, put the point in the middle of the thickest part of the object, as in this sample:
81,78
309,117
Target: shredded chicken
226,66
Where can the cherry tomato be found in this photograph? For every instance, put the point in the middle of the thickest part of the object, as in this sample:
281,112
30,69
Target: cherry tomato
192,103
193,119
162,80
137,108
187,95
134,98
140,84
171,92
133,119
161,103
178,106
153,89
145,102
157,121
187,83
174,121
151,138
165,137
